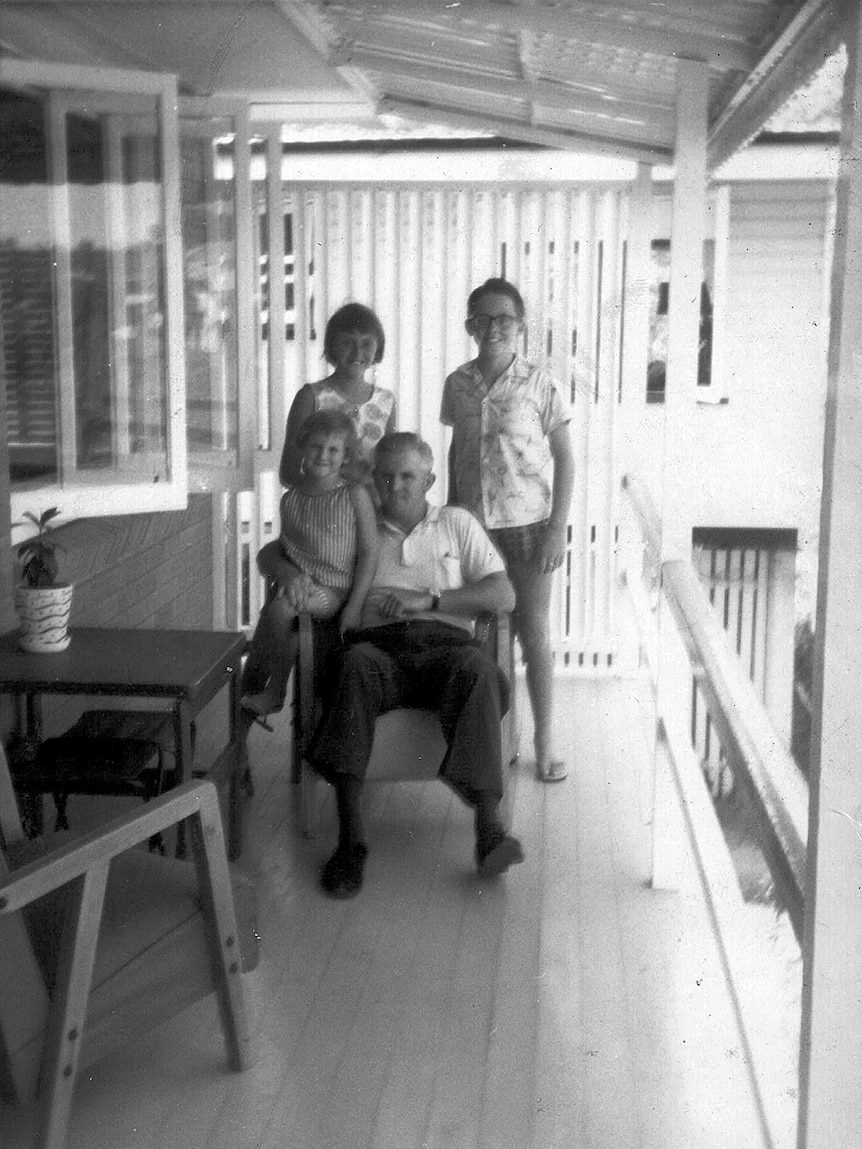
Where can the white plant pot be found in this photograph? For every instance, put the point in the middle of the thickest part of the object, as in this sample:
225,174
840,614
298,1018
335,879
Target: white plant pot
43,614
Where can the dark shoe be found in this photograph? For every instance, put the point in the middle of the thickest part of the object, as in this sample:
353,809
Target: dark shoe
341,877
499,855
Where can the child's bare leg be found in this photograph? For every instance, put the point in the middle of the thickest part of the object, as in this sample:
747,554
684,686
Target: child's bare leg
277,625
255,672
283,647
283,641
532,609
284,644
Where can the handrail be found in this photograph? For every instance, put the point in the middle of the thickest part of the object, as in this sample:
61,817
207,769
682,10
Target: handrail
773,782
647,517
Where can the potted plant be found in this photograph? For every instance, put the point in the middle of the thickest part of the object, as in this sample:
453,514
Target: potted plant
43,602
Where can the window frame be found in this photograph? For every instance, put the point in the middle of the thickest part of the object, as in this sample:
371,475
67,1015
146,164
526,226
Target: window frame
114,496
208,471
717,229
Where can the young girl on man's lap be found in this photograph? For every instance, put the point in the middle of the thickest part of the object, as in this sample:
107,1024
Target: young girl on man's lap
328,554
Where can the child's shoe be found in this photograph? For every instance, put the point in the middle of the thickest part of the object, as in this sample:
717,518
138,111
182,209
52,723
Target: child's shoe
262,704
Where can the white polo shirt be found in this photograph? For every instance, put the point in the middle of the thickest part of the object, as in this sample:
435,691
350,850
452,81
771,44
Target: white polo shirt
447,550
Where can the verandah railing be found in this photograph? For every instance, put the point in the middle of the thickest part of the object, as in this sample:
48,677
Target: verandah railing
682,641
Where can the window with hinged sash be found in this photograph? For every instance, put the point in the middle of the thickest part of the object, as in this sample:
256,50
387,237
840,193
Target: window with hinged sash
91,286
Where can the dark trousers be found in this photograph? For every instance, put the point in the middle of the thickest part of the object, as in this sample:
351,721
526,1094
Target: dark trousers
416,664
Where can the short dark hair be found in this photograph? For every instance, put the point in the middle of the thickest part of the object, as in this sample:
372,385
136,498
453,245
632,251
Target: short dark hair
404,441
496,287
329,421
352,317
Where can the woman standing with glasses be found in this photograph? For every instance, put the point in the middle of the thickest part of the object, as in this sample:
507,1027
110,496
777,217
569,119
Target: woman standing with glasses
511,464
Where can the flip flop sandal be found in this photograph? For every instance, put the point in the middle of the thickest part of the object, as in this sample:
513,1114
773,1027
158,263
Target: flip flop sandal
555,771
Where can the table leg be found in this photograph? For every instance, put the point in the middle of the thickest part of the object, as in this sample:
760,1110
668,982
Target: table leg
182,717
236,743
32,804
33,715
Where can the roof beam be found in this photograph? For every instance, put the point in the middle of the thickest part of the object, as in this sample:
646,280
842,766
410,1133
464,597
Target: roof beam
812,32
312,25
544,93
720,51
391,48
517,130
525,56
585,126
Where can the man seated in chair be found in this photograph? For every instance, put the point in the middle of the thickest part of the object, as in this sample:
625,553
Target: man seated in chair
437,570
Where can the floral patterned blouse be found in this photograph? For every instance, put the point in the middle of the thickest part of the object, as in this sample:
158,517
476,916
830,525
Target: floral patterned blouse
370,419
502,463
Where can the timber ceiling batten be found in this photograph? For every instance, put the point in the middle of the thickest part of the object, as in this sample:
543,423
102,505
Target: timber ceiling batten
579,73
584,76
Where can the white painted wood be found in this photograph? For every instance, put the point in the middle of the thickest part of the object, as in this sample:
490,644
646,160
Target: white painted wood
175,363
110,494
689,197
48,74
116,228
275,398
57,109
567,1004
414,252
717,391
763,573
771,1064
831,1097
779,624
247,307
512,166
689,202
225,589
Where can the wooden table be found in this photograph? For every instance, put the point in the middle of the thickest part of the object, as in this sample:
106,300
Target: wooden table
188,667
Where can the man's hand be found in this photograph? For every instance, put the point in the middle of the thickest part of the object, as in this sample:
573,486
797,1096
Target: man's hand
395,602
350,618
553,549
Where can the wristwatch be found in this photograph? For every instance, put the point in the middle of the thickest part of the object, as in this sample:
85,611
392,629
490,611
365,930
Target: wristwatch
435,600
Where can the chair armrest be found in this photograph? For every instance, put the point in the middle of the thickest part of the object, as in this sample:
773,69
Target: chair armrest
495,632
63,865
485,627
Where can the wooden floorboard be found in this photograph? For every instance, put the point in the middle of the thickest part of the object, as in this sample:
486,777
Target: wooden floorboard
565,1005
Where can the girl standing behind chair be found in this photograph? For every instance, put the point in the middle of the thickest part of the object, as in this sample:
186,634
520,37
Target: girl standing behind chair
511,464
328,546
353,343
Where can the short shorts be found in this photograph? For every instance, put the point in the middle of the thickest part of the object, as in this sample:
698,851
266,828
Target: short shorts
520,544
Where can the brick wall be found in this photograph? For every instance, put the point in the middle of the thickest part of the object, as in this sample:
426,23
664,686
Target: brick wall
142,570
131,571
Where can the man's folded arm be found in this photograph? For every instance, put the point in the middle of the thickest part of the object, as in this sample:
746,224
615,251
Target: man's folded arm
493,593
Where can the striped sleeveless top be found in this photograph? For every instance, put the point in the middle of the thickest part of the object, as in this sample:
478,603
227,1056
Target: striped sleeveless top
318,534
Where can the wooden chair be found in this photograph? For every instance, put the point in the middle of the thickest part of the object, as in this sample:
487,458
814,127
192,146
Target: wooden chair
408,743
100,942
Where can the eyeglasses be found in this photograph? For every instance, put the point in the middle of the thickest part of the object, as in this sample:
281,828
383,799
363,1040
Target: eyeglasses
483,322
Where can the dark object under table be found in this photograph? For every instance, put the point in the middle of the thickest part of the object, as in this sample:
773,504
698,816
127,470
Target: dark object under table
185,668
